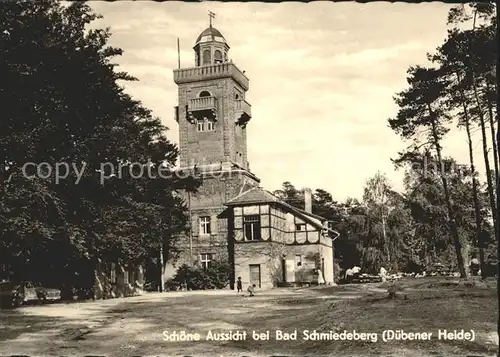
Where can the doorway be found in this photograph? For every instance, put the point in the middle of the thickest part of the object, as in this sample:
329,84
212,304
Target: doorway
255,277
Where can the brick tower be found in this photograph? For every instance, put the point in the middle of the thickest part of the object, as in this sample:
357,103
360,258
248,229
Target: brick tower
212,114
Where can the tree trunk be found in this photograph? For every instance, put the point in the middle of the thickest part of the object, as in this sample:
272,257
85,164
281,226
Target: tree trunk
491,194
386,243
477,211
494,141
489,180
162,269
498,177
451,216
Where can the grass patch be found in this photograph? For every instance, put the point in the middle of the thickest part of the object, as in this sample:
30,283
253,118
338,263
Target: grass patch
447,305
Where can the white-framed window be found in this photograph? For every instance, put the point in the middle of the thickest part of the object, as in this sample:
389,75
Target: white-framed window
251,227
206,259
210,125
200,125
300,227
205,227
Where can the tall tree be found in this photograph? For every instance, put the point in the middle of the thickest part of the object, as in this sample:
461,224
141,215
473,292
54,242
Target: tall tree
376,197
63,107
450,58
475,52
421,113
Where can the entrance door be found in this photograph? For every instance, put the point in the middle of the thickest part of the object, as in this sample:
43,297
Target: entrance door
255,275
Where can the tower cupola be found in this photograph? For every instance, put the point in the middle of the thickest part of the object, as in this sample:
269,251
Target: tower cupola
210,47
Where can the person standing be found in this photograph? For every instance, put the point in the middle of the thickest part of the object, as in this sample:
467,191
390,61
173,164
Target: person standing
239,285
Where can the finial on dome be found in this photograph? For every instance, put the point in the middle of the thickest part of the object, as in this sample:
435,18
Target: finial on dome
211,15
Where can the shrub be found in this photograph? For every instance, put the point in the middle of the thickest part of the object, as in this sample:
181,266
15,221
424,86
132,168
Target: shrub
197,278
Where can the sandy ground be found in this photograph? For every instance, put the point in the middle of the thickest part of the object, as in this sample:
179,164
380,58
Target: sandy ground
135,326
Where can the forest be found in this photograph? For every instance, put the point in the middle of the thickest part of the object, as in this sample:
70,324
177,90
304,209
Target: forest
447,212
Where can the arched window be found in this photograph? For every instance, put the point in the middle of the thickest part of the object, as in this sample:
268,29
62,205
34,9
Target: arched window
206,57
205,94
225,56
236,96
217,56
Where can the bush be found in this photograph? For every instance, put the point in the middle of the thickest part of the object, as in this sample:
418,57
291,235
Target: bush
197,278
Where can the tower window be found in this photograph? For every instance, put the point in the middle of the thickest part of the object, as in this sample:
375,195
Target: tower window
206,57
236,96
210,125
217,56
205,94
200,126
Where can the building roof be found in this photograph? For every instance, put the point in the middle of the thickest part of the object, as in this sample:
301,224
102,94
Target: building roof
210,34
253,195
257,195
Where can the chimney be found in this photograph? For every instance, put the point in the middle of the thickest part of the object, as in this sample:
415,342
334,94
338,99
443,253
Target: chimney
308,200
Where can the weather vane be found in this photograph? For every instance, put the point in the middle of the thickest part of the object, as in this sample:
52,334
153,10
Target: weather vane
211,15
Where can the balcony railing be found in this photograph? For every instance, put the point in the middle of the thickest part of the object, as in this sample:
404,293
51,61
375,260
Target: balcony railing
202,103
243,112
202,107
243,106
221,70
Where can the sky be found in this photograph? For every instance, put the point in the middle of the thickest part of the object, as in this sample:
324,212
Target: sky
322,79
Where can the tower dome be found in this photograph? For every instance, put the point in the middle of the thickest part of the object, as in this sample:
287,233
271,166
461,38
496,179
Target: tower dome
210,47
210,34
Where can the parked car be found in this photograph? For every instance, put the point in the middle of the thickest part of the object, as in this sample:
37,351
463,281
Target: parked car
9,294
45,294
15,294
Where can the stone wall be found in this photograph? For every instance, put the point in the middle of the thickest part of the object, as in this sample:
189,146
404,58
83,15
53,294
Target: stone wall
115,280
311,256
268,255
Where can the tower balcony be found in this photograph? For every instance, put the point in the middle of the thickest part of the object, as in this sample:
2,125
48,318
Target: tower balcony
243,112
212,71
202,107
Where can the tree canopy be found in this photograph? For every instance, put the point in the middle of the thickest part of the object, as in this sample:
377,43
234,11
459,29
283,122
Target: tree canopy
63,106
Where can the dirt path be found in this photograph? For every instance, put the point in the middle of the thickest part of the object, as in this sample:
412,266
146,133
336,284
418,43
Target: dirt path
135,326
